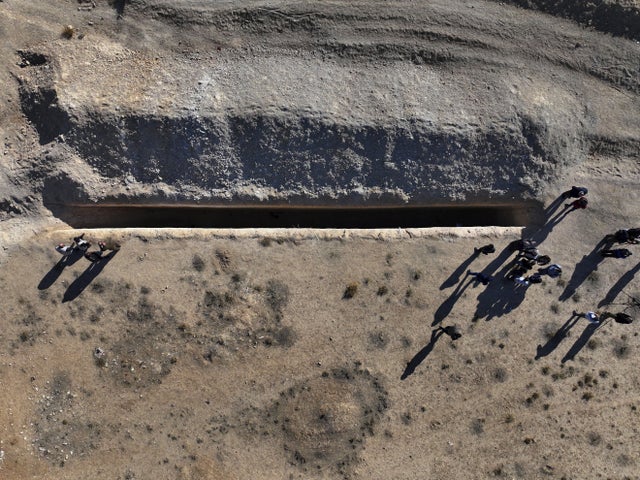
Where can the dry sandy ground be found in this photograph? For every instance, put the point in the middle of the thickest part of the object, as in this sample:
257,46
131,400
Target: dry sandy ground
232,357
236,355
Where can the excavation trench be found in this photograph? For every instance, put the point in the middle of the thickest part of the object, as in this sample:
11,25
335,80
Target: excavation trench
149,216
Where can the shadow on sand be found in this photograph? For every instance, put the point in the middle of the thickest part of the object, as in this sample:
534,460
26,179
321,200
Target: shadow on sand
83,281
500,297
53,274
583,268
445,308
497,262
553,206
587,333
459,272
422,354
619,286
552,344
539,234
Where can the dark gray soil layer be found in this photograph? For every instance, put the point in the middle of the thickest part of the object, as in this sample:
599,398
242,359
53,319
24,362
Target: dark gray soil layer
616,18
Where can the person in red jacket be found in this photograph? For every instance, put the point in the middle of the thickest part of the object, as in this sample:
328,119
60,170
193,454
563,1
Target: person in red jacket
582,203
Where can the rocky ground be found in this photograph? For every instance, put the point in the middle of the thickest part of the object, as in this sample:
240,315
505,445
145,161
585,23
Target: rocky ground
209,354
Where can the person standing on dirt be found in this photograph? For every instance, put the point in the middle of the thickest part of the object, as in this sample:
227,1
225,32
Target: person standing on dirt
554,270
64,250
81,243
94,256
535,278
452,330
616,253
485,250
112,246
480,277
592,317
622,317
621,236
530,253
522,245
575,192
580,203
631,235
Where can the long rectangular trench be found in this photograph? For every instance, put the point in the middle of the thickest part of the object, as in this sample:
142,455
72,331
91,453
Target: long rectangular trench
154,216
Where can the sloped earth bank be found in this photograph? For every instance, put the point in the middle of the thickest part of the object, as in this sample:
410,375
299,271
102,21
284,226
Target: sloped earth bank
330,104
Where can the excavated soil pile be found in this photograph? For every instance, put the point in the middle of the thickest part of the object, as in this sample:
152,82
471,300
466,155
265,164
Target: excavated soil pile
336,104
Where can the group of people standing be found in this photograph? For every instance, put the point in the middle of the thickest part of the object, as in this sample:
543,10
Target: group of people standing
628,236
580,194
528,256
80,245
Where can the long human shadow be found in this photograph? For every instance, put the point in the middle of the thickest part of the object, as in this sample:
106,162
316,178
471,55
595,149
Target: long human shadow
458,272
553,342
540,235
422,354
617,287
445,308
83,281
587,333
583,268
553,206
500,297
52,275
498,261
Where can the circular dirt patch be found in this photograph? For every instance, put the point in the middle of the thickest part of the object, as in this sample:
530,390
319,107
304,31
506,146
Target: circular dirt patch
326,419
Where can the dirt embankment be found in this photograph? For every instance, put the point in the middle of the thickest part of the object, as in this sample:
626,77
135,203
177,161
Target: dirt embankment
342,103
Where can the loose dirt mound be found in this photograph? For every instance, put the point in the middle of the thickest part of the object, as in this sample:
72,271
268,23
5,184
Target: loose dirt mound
341,104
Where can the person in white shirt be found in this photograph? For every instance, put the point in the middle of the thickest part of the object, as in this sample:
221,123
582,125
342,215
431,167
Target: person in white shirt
64,249
81,243
592,317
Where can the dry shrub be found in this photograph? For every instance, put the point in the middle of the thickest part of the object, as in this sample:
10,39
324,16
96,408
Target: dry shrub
265,242
68,32
197,263
499,375
351,290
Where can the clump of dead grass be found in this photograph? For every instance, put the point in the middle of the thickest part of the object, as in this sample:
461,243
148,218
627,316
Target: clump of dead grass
351,290
68,32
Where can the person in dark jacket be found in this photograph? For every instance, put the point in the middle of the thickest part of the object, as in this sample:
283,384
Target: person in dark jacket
575,192
481,277
452,330
486,249
616,253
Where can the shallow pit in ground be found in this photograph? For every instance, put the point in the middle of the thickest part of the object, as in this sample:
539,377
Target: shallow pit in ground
127,216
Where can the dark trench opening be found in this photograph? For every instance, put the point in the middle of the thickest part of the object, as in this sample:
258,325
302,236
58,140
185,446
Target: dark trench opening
127,216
